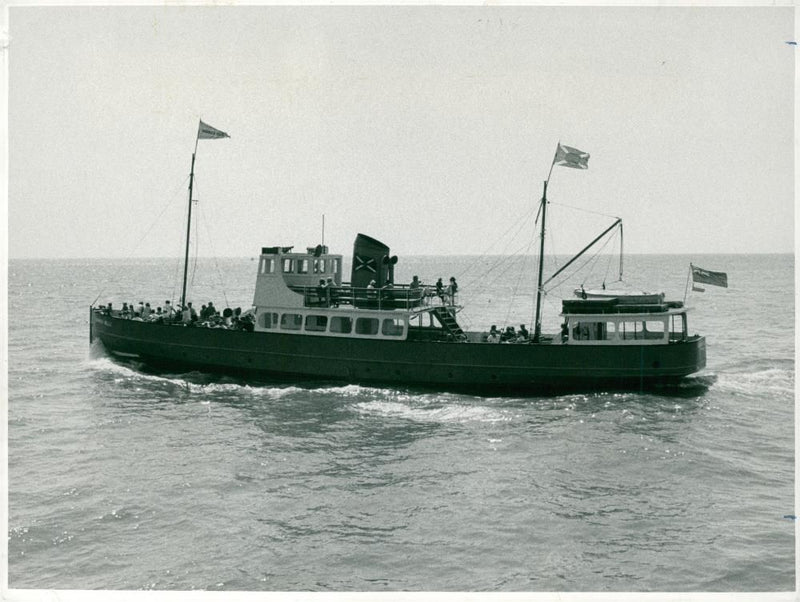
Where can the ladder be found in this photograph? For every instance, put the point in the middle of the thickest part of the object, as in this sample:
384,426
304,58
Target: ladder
446,316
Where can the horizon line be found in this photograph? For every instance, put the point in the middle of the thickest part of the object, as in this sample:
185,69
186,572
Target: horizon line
737,253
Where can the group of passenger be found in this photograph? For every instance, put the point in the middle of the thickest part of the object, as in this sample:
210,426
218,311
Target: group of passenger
509,335
328,293
208,316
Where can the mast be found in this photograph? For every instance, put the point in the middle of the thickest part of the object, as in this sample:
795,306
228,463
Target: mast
188,232
204,131
537,329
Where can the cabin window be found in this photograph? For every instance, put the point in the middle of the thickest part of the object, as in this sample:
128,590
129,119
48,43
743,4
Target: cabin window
319,266
392,327
288,265
678,328
654,329
302,266
291,321
316,323
631,330
341,324
367,326
593,331
268,265
268,320
336,265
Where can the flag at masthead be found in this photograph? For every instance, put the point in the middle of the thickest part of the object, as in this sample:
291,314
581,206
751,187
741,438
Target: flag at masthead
205,131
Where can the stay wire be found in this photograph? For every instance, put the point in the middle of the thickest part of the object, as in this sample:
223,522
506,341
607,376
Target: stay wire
214,257
166,205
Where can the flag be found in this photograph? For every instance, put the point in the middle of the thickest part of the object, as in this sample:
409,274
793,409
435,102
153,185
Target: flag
708,277
206,131
571,157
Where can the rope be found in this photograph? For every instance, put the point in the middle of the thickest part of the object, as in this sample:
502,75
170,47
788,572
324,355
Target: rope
168,203
214,256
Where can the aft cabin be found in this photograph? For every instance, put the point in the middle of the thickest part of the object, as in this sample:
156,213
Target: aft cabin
611,322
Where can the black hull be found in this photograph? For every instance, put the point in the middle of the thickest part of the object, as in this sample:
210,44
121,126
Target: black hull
483,367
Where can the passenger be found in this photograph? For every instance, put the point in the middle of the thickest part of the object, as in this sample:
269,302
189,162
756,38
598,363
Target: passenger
186,315
440,290
140,309
169,311
333,294
322,293
247,321
452,289
227,317
415,283
564,332
494,336
108,310
203,312
146,311
508,336
125,313
523,334
210,310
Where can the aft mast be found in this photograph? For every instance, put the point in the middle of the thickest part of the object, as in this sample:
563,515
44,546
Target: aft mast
203,131
537,329
567,157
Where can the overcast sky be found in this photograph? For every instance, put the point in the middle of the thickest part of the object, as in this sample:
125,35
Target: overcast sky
429,128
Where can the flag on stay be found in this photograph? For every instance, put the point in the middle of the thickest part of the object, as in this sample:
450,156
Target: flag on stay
571,157
699,275
206,131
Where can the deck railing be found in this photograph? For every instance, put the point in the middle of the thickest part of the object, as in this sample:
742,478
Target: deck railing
398,296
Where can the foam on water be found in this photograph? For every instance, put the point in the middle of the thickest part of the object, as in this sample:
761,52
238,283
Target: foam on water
422,413
769,381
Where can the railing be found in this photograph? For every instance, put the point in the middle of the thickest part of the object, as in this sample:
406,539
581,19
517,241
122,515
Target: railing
394,297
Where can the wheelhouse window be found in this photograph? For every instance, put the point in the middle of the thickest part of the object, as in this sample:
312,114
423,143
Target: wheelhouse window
288,265
341,324
302,266
268,264
319,266
316,323
268,320
291,321
367,325
392,327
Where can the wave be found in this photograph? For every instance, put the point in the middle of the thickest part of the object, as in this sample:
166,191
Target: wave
770,381
193,382
448,413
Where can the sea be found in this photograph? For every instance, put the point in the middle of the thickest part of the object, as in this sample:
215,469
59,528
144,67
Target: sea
121,477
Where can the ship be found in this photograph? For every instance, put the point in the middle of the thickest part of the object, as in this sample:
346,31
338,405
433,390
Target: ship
310,323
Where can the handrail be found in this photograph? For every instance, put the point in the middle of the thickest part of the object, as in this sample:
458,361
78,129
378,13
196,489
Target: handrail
396,297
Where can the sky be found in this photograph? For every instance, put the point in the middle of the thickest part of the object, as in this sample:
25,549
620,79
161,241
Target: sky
430,128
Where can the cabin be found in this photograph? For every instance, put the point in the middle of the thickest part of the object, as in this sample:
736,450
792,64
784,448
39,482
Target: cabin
618,321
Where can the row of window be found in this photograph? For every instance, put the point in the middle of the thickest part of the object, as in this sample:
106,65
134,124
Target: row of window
390,327
628,330
293,265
